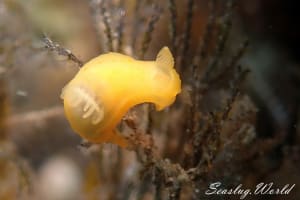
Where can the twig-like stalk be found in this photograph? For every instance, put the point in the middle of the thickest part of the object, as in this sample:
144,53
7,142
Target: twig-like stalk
136,23
94,5
208,138
232,64
148,33
222,38
187,32
107,24
149,119
120,28
240,52
98,10
203,47
196,65
164,171
52,46
173,27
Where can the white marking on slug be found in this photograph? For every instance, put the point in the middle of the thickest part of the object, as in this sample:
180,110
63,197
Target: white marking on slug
98,118
90,107
88,113
86,107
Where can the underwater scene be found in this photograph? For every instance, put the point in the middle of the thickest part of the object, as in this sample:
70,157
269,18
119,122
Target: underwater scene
149,100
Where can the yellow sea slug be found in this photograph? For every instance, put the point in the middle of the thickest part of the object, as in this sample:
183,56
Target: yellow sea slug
106,87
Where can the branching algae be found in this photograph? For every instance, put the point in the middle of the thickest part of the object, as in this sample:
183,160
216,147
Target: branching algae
106,87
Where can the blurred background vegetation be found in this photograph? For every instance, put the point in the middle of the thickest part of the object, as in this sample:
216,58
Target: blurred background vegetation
236,120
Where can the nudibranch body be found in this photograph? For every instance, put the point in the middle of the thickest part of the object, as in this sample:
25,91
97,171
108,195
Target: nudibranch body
106,87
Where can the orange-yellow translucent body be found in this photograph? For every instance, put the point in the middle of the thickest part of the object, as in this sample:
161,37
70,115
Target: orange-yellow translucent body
106,87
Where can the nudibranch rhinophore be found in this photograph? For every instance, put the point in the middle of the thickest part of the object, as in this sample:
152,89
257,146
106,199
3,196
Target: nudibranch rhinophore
106,87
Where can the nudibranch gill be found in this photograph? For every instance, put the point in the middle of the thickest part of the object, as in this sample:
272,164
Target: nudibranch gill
106,87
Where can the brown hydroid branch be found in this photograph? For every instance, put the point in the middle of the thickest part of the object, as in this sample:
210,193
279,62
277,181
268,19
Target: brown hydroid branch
148,33
53,46
222,37
229,68
99,12
136,23
120,27
107,24
173,26
187,32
